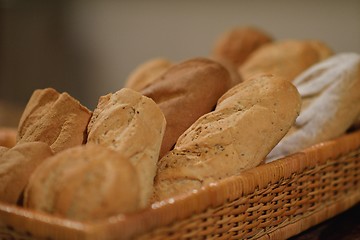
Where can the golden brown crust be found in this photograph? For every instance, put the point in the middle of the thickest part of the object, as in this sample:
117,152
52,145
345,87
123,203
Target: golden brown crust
16,166
132,125
235,45
147,73
185,92
56,119
249,120
233,71
285,59
86,182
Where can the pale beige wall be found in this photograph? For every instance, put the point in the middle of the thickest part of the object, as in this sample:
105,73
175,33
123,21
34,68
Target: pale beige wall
108,39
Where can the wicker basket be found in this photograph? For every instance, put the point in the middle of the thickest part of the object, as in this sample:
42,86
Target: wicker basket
272,201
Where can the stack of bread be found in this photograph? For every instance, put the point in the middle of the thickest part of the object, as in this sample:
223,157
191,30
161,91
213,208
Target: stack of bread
176,127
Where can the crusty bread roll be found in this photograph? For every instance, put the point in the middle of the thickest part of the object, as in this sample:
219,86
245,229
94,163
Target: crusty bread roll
330,91
8,136
285,58
147,73
185,92
86,182
249,120
16,166
56,119
236,44
134,126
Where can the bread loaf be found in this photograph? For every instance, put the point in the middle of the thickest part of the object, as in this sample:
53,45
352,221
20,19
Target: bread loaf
236,44
8,136
249,120
134,126
147,73
16,166
285,59
331,97
185,92
56,119
86,182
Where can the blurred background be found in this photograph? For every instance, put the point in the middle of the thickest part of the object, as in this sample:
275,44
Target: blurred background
88,48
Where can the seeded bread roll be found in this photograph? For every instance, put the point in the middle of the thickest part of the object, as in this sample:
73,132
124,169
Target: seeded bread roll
86,182
56,119
185,92
331,97
249,120
16,166
147,73
134,126
285,59
8,137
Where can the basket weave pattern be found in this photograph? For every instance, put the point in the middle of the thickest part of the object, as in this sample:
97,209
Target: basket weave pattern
272,201
274,206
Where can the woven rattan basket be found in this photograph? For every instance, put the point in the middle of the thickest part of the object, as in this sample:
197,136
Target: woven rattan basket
272,201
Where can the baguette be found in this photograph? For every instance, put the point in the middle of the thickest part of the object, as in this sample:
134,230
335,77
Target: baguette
235,45
147,73
185,92
249,120
285,59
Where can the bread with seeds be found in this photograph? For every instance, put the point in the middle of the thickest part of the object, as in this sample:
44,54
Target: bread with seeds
249,120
